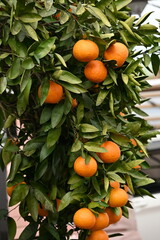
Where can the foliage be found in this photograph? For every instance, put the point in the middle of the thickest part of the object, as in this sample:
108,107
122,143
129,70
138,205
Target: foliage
41,141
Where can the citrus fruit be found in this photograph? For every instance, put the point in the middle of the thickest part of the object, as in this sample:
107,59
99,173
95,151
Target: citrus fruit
114,184
133,141
84,218
85,50
113,218
55,93
126,188
113,152
95,71
118,197
98,235
85,169
42,211
10,189
58,201
118,52
74,103
102,221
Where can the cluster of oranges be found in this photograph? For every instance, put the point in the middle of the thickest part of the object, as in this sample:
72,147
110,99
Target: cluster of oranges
84,218
95,71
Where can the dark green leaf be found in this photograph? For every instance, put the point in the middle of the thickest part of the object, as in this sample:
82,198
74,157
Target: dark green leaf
65,201
11,228
16,161
69,77
28,63
96,185
3,84
45,152
93,147
10,119
155,63
99,14
80,112
29,232
30,17
41,169
77,145
43,199
32,205
19,193
86,128
45,115
53,136
31,32
53,231
44,47
57,114
15,69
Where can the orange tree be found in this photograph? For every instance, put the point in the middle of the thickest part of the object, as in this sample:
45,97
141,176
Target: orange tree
60,102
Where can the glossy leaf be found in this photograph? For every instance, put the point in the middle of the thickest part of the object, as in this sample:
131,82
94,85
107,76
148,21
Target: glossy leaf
53,136
29,232
11,228
44,47
14,166
98,13
32,205
69,77
30,17
57,114
19,193
31,32
65,201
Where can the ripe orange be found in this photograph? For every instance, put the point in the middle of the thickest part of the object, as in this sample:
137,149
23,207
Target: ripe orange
113,152
118,197
83,169
113,218
118,52
102,221
133,141
74,103
10,189
126,188
84,218
98,235
42,212
55,93
95,71
85,50
114,184
138,167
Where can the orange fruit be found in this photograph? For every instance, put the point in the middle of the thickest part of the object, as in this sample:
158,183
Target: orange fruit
74,103
113,218
42,211
138,167
55,93
98,235
118,197
113,152
102,221
58,201
10,189
114,184
95,71
83,169
84,218
118,52
85,50
133,141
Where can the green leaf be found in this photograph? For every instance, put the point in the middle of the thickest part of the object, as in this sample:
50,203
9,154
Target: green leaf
86,128
48,4
15,166
126,26
106,183
148,29
93,147
144,182
15,69
143,18
28,63
31,32
61,59
122,3
133,163
111,104
65,201
64,17
23,98
32,205
129,183
140,144
115,177
53,136
125,78
45,152
77,145
11,228
19,193
34,143
99,14
43,199
44,88
57,114
3,84
6,154
132,66
101,96
69,77
120,139
139,112
74,179
30,17
80,112
74,88
53,231
45,115
29,232
44,47
41,170
96,185
10,119
4,55
155,63
16,27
